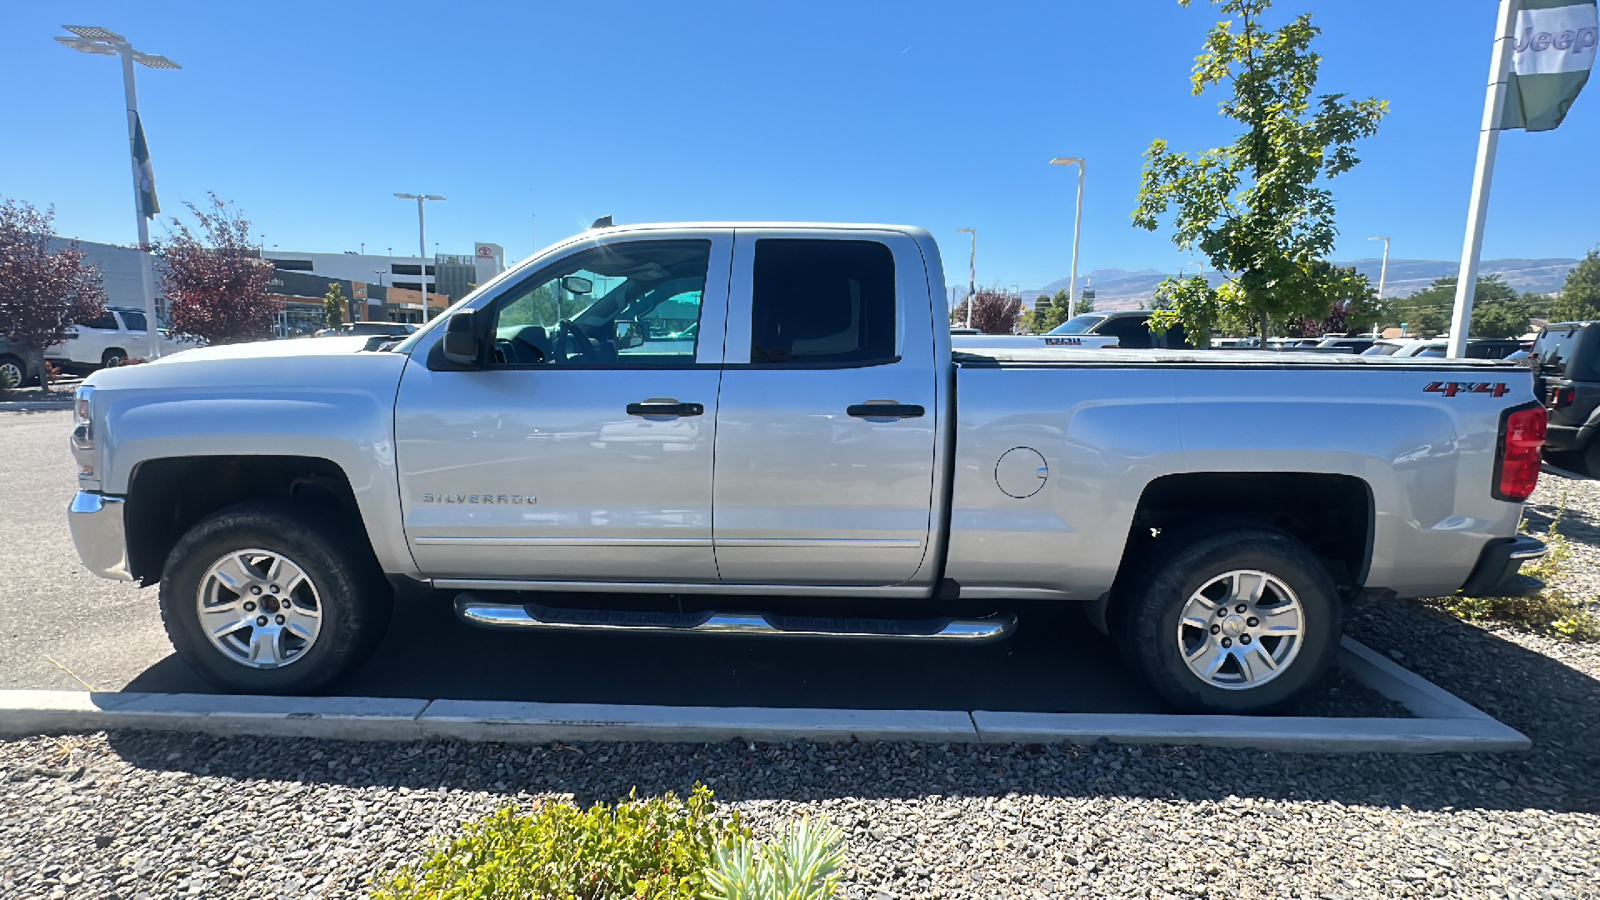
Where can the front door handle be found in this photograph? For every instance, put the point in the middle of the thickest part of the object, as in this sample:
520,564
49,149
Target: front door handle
665,409
886,411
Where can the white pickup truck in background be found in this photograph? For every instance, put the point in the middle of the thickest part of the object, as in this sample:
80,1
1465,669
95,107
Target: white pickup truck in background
764,429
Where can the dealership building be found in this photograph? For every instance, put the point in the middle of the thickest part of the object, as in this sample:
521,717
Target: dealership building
376,288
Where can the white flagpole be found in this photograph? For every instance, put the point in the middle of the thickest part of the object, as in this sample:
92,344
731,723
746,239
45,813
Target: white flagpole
147,278
1478,210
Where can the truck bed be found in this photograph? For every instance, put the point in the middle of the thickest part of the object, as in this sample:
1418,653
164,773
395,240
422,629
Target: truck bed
1021,357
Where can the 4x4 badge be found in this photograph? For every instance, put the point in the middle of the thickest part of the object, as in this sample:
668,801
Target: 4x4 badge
1452,388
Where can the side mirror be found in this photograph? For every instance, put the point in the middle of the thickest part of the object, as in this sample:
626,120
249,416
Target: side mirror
577,284
627,333
460,339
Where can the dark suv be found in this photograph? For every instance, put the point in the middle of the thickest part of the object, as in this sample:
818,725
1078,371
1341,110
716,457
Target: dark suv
1131,328
1566,371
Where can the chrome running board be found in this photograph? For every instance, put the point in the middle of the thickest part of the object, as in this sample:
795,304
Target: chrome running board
477,609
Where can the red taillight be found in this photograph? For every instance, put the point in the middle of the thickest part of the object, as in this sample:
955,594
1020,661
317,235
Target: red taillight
1516,469
1565,396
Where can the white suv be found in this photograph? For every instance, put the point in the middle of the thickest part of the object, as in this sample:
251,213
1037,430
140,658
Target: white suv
119,333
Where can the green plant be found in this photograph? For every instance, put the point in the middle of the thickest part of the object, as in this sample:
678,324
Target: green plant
658,848
803,865
1551,611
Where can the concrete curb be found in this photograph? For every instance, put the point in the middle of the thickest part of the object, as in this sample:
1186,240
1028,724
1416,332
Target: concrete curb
31,405
474,720
1444,723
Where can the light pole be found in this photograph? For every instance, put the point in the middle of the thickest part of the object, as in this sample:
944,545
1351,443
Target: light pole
422,239
1383,273
972,273
1077,227
105,42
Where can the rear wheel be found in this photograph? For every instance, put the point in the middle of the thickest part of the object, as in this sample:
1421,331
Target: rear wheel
1237,621
261,598
113,357
1590,460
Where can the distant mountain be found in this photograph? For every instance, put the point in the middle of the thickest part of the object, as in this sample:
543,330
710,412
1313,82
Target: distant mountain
1122,289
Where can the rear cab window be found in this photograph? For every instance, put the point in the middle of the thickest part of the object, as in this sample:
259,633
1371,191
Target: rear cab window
822,303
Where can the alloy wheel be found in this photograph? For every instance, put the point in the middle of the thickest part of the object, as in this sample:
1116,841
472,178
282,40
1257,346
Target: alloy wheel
1241,629
259,608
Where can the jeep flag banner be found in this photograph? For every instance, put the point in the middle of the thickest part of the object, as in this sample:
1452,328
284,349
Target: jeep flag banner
1553,56
149,206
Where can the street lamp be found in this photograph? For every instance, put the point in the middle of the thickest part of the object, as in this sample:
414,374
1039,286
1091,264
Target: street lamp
1383,273
422,239
105,42
1077,227
972,273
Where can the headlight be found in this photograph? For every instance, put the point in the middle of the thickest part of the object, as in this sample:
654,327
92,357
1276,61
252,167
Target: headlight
83,430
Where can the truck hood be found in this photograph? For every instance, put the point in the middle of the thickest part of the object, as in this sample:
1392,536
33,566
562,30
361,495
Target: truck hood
264,367
329,346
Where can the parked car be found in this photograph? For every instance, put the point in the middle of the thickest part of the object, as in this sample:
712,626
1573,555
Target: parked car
118,334
368,329
1131,328
20,366
1345,344
1566,365
1477,348
1212,511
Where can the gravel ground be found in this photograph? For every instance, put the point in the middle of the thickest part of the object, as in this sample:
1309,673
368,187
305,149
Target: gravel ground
153,815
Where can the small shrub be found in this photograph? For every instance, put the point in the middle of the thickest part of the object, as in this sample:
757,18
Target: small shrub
658,848
1551,611
803,865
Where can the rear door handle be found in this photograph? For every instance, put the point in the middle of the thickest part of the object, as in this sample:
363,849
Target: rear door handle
665,408
886,411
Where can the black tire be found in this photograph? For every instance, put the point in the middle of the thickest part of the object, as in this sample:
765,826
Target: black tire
1590,460
113,357
1148,617
355,600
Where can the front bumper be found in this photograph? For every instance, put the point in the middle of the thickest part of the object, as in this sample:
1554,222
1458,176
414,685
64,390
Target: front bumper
99,534
1495,575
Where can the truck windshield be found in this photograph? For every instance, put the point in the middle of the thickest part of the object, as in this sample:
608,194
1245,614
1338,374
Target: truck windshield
1078,324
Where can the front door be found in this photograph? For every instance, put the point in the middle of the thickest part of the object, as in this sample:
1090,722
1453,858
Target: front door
827,421
581,448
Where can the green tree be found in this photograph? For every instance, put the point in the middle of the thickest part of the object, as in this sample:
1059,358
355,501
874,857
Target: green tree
1496,307
333,305
1048,315
1580,295
1501,319
1257,207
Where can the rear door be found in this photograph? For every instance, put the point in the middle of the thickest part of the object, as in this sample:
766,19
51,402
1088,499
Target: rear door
826,420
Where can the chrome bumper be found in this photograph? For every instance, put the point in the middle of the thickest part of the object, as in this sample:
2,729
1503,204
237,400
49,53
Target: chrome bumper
98,533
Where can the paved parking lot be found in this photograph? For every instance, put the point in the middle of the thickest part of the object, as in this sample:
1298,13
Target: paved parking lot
62,628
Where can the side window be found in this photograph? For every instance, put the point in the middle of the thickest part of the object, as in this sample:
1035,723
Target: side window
134,320
104,320
626,304
822,301
1131,332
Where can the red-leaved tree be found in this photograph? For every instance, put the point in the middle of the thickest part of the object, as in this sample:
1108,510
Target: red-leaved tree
42,293
993,311
216,283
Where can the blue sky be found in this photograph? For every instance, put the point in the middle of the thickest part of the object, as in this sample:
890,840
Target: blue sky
933,113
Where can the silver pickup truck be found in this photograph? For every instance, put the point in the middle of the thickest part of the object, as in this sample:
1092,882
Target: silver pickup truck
764,430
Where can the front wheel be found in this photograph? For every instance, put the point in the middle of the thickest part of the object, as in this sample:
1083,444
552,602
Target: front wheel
12,373
261,598
1233,622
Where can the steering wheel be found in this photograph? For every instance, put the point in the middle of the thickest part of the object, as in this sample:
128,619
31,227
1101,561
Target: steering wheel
570,338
